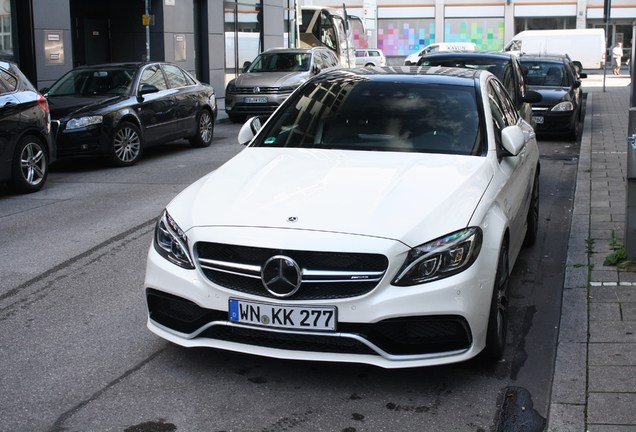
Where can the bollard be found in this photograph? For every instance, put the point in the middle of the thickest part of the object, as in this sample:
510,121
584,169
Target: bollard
630,219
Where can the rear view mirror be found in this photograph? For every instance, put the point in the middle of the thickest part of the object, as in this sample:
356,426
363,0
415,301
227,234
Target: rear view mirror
532,96
249,130
513,139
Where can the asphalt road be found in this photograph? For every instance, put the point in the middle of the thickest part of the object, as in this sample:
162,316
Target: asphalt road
75,353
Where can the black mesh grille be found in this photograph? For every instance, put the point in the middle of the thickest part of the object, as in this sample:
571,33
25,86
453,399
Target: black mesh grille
323,261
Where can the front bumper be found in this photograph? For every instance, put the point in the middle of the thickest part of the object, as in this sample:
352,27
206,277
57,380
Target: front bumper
554,122
245,104
389,326
90,141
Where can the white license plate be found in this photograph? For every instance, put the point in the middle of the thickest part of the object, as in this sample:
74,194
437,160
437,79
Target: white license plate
538,120
291,317
254,100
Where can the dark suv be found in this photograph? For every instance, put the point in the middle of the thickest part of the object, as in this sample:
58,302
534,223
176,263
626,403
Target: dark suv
504,66
26,148
272,77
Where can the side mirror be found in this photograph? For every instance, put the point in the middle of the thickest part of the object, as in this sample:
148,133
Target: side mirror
146,89
513,140
532,96
582,75
249,130
315,69
577,84
246,66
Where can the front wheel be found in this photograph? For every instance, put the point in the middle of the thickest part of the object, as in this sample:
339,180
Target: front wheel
30,165
205,130
127,144
498,318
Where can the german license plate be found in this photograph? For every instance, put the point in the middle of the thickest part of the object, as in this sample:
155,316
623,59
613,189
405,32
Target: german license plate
538,120
254,100
290,317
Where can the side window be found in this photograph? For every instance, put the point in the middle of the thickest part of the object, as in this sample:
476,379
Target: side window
510,113
154,76
176,77
331,60
8,82
498,117
509,81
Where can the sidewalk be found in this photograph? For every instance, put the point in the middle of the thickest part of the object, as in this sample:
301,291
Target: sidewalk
594,386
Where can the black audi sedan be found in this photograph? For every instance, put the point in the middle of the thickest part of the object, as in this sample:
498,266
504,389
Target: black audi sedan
116,110
26,149
555,77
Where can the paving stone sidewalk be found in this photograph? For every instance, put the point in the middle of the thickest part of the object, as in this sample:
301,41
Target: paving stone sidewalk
594,386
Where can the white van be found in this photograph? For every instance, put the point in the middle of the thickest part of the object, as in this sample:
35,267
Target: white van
585,47
412,59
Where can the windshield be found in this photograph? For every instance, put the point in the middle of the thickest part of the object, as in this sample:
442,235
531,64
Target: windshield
540,73
397,116
89,82
281,62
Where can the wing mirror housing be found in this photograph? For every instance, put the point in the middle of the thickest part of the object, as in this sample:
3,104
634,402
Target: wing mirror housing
146,89
532,96
249,130
513,140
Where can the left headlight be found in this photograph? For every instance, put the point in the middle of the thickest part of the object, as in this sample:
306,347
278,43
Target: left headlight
171,242
563,106
441,258
82,122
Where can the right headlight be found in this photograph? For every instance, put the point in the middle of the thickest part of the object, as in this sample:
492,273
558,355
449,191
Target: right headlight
440,258
82,122
171,242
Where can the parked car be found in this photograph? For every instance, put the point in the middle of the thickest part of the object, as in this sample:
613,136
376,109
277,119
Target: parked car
412,59
118,109
555,77
271,78
26,149
504,66
383,235
370,57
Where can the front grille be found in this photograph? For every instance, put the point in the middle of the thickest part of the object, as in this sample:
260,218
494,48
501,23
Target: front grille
325,275
288,341
262,90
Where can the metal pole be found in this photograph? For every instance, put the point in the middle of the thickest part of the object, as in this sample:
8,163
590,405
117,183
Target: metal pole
147,31
630,210
606,52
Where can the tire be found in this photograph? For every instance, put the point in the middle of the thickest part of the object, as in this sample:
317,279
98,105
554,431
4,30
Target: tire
30,165
369,65
127,144
234,118
533,214
205,130
498,317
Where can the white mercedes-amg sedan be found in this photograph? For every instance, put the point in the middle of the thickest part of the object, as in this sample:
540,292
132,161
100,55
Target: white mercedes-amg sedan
374,218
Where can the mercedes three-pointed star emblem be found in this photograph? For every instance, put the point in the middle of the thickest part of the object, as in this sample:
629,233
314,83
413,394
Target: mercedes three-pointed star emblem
281,276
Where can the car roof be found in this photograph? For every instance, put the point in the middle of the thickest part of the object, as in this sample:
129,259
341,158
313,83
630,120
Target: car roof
292,50
414,74
560,58
470,54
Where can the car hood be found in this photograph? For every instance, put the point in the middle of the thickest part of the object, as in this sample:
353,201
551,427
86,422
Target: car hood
407,197
271,79
550,95
73,105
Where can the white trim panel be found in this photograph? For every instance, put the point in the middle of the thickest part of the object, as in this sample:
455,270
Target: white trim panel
473,11
407,12
597,13
546,10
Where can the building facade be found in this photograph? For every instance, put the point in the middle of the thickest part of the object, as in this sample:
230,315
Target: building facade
214,38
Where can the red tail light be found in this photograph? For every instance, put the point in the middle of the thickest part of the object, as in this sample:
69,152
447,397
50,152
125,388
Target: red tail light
43,103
